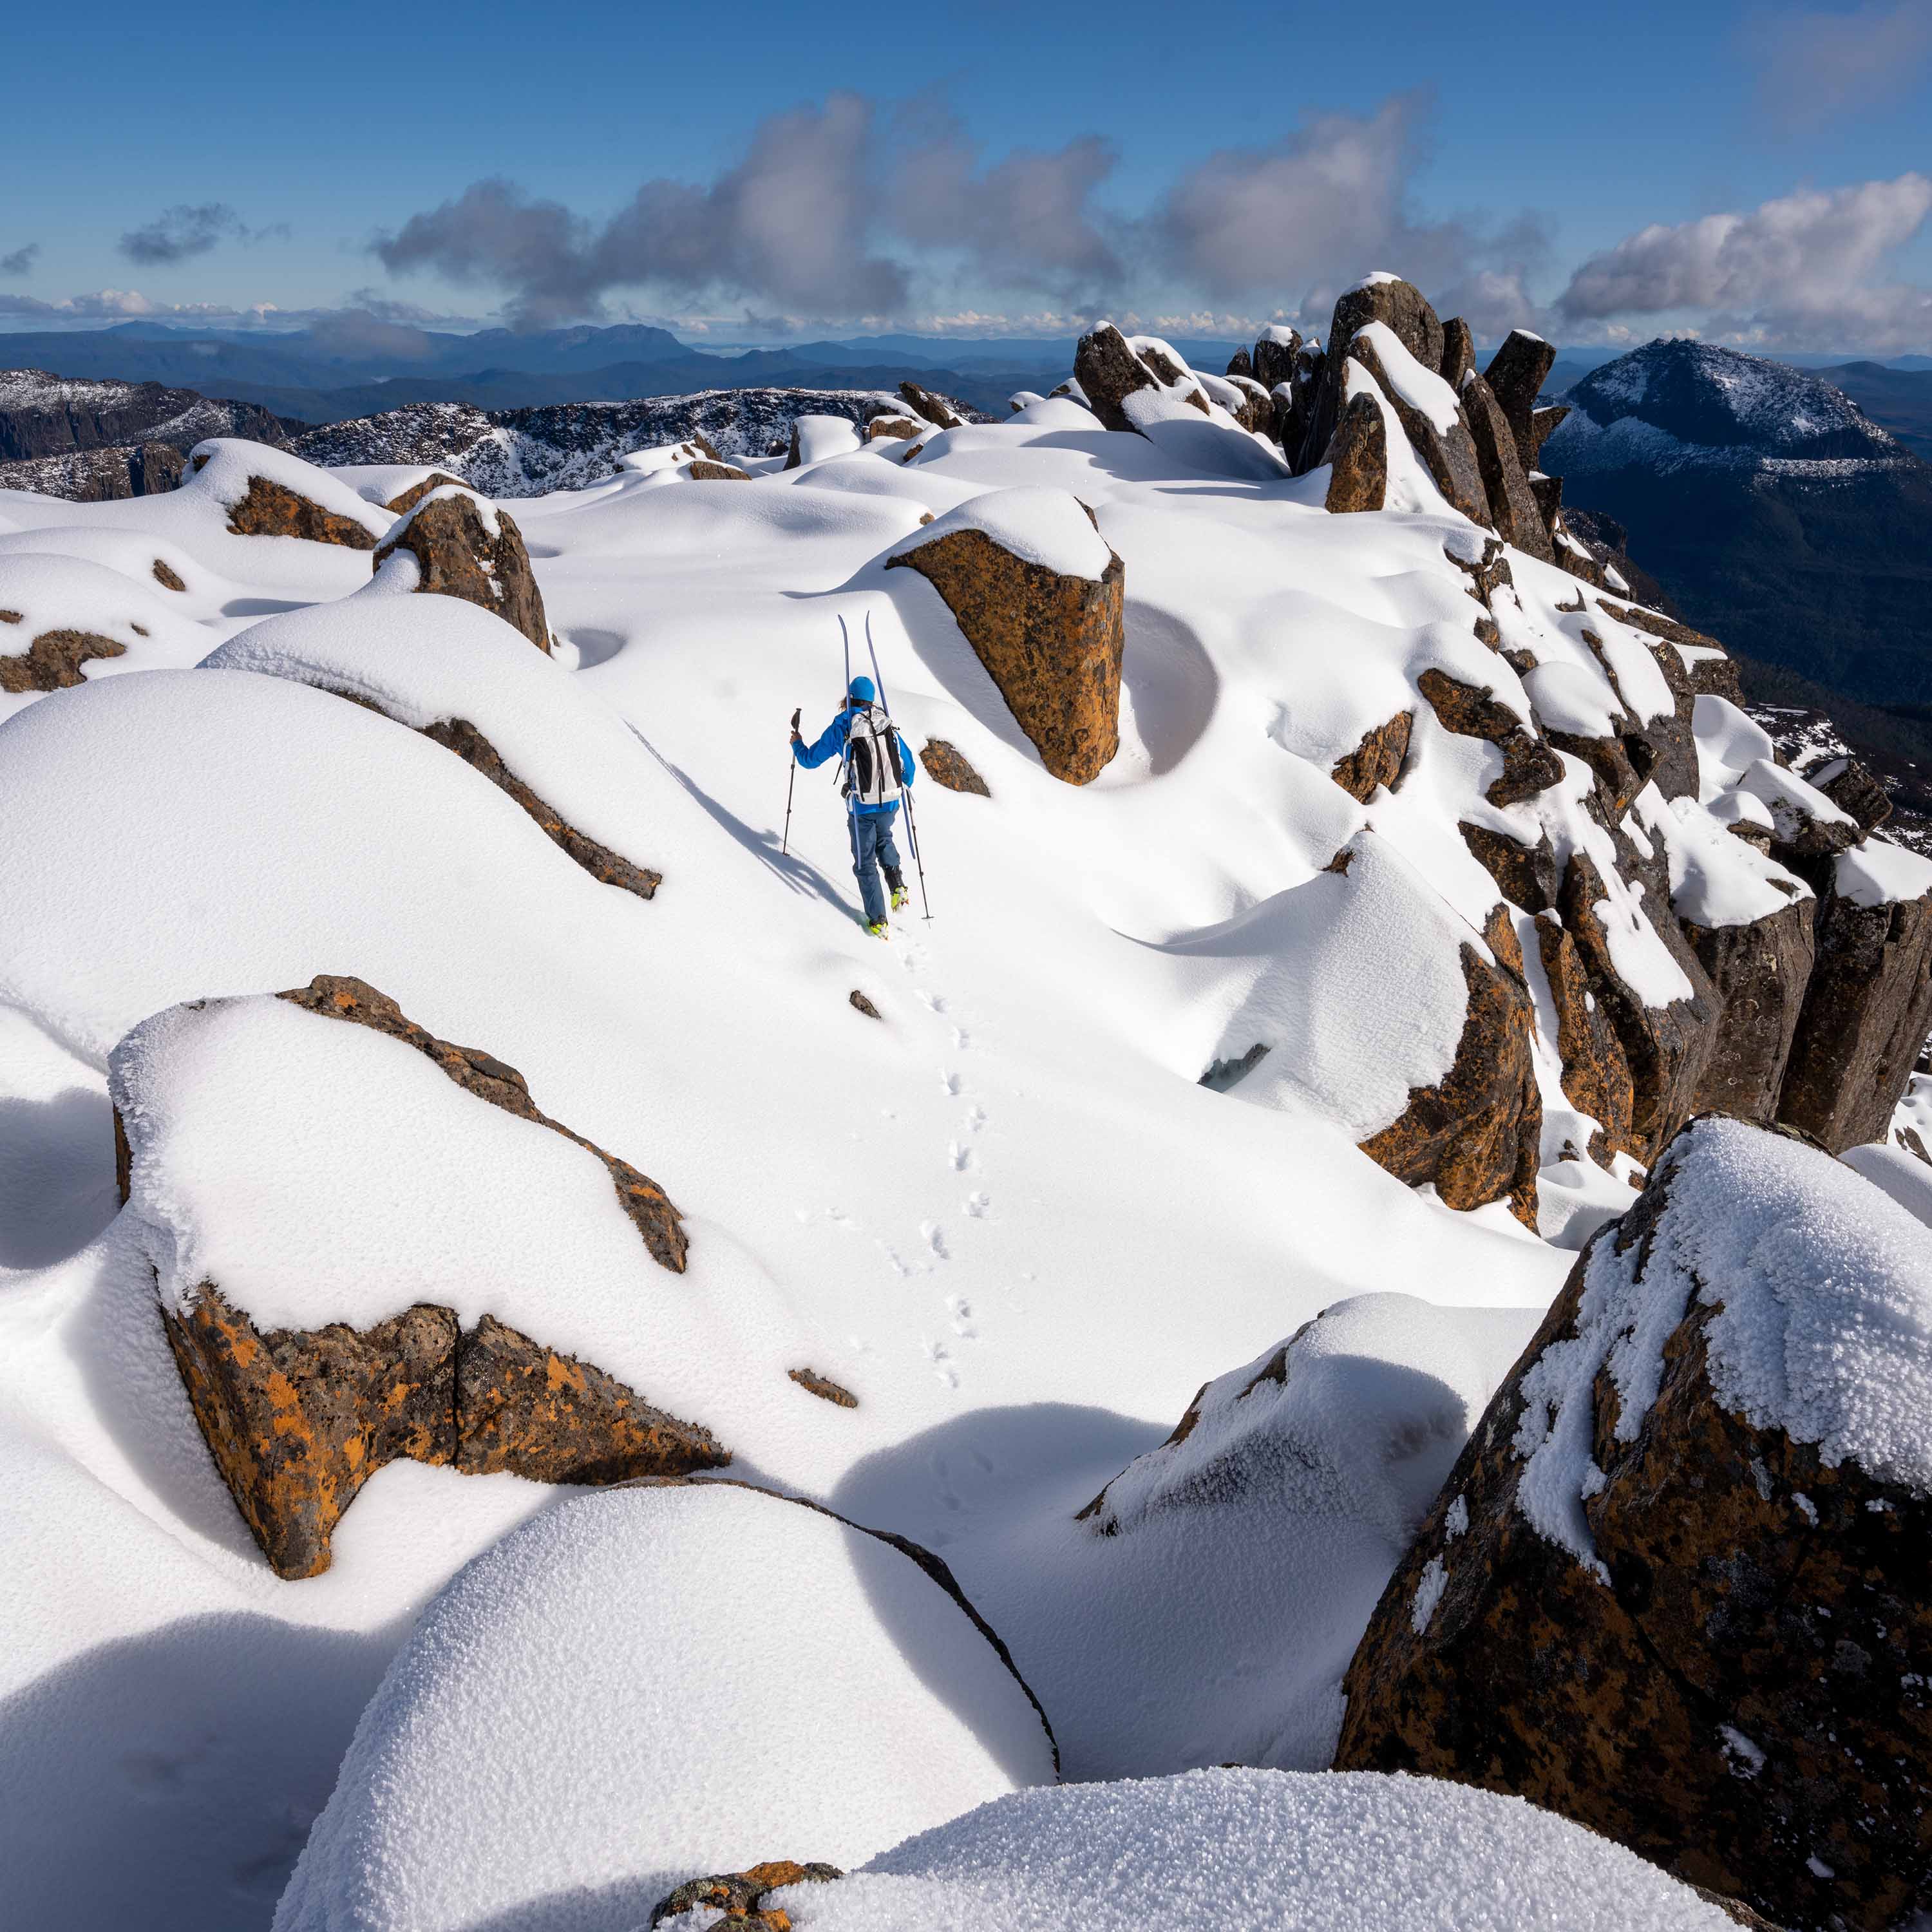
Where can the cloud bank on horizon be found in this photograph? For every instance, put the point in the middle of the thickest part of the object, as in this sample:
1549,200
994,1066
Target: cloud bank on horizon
853,211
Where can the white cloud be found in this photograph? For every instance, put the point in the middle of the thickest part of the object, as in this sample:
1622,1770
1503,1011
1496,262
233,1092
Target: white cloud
1808,267
1813,67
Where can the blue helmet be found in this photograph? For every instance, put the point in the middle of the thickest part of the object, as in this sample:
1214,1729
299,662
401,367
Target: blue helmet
862,691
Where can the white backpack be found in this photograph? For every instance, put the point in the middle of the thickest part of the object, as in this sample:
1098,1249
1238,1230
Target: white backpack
873,773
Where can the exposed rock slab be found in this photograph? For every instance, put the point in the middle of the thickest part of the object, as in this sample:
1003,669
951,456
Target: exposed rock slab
740,1896
1052,642
1108,372
461,552
1759,972
53,661
1596,1074
1449,455
1377,760
406,500
271,509
1529,765
1867,1012
1516,375
1358,455
1513,507
1476,1133
946,764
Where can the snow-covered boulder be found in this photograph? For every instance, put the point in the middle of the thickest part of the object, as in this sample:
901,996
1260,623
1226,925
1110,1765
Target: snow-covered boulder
1430,415
254,1132
1039,594
463,546
1276,348
447,668
269,493
1358,456
406,500
1265,1851
654,1684
1109,369
60,614
1513,505
1676,1586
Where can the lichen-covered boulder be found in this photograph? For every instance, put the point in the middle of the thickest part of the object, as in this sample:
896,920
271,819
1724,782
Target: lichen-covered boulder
1377,760
946,764
1276,348
404,501
1430,415
299,1413
1513,505
466,547
53,661
1109,371
1677,1586
1038,594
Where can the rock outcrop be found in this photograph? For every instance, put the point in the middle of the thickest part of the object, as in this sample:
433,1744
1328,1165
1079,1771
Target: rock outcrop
467,549
1441,439
267,508
1677,1586
406,500
298,1419
1759,972
1512,506
740,1896
53,661
935,409
1475,1134
1109,371
1359,457
1515,376
946,764
1867,1009
1052,640
1377,760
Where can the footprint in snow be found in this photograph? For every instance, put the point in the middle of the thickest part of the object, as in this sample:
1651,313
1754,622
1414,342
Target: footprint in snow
961,1038
930,1232
961,1312
961,1156
940,1356
901,1268
934,1003
949,1083
976,1117
976,1204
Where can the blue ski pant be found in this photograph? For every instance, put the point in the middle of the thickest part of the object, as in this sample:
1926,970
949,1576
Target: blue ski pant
872,847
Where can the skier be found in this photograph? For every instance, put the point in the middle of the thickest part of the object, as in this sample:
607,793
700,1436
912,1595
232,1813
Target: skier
878,762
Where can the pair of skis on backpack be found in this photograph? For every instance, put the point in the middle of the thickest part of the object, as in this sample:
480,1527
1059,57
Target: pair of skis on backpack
878,928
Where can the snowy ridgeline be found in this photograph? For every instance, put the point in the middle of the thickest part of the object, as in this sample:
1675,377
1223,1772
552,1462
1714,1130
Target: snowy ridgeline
1005,1220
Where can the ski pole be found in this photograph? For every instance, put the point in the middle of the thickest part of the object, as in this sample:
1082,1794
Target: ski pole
785,846
912,831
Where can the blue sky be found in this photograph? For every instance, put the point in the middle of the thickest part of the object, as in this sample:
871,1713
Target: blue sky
998,168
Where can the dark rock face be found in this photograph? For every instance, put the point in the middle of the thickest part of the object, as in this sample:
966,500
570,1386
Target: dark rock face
1596,1076
860,1004
703,471
1402,306
1476,1134
1526,875
1512,506
1738,1691
1666,1047
740,1896
460,555
98,475
298,1419
1866,1014
1377,760
935,409
165,578
1052,643
1257,409
1543,423
1274,359
48,415
1516,373
1852,786
274,510
902,428
1358,457
475,1072
1529,765
1240,364
460,736
946,765
1109,371
53,661
1759,974
1450,456
1295,414
1458,352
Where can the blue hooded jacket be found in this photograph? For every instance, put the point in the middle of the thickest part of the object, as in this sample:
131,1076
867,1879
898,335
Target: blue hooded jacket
831,745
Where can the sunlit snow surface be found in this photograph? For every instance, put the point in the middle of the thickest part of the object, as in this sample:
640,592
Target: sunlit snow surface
1005,1214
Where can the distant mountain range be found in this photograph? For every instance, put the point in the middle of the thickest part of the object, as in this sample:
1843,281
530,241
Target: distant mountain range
358,366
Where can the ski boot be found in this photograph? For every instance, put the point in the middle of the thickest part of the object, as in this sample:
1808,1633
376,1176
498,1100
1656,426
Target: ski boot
895,884
879,929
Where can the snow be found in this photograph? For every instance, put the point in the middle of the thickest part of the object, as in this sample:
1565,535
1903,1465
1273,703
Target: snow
1049,528
1897,1172
1343,1851
1565,698
1873,873
1822,1287
1422,389
693,1678
54,593
1716,878
1006,1214
425,659
821,438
